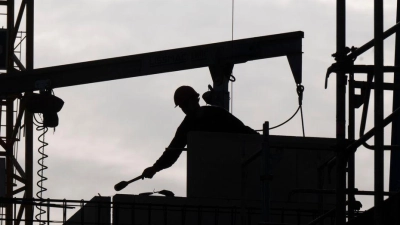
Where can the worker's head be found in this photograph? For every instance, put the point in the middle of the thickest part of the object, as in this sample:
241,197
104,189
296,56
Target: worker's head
187,99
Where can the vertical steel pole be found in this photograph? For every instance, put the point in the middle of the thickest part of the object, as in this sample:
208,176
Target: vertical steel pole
9,113
9,161
378,116
265,173
29,116
351,137
341,115
10,30
29,34
394,179
222,90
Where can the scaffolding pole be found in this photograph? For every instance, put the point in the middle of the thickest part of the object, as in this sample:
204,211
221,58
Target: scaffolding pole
378,115
341,115
394,182
28,115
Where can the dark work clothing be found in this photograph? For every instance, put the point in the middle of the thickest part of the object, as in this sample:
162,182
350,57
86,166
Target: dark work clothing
206,118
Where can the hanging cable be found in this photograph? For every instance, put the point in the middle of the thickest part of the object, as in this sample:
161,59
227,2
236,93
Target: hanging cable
231,97
233,15
285,121
302,121
42,178
232,78
299,90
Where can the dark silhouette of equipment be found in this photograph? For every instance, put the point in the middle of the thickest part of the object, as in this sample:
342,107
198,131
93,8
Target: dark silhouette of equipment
47,104
208,96
121,185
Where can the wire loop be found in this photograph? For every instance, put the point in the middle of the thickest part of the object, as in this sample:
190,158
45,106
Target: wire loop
299,90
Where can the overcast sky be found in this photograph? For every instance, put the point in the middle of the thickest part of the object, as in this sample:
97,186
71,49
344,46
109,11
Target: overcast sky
111,131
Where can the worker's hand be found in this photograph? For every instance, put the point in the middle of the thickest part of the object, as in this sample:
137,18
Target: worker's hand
149,172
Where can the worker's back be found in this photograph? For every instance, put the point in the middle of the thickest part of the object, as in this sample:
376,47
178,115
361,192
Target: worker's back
214,119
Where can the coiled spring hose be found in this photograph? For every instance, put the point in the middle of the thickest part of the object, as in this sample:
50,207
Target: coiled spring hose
42,178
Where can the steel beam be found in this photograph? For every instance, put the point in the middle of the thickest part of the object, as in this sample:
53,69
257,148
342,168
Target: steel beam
233,52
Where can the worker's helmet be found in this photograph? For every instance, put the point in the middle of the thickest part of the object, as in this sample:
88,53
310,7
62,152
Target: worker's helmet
183,93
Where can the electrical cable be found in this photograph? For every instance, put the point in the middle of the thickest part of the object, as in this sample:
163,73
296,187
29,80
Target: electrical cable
42,189
299,90
286,120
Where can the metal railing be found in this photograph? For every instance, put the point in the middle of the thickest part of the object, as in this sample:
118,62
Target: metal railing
106,212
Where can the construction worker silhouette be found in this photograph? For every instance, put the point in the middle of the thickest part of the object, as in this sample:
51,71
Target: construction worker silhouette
198,118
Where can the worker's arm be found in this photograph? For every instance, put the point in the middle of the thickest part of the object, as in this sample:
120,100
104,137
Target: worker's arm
171,154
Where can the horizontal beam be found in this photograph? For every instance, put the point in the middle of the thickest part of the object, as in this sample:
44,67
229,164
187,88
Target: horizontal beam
238,51
364,84
370,69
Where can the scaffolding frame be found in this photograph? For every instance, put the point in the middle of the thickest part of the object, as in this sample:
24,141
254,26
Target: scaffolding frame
345,58
14,171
